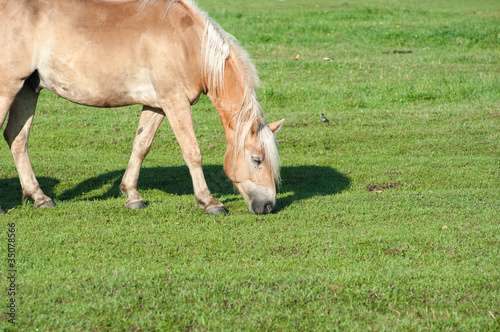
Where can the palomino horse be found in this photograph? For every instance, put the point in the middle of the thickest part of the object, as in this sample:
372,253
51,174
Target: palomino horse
158,53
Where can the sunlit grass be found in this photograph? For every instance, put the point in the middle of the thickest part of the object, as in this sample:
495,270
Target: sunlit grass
387,215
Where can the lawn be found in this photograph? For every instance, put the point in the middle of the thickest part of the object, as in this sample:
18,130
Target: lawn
388,214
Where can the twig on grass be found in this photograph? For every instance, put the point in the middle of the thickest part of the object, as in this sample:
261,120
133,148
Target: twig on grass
474,304
394,310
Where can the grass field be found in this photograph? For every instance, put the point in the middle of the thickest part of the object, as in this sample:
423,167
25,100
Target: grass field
388,214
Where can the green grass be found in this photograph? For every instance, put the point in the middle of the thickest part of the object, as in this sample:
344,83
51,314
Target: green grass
388,214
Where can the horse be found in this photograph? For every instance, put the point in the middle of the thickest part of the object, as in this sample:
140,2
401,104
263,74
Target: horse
161,54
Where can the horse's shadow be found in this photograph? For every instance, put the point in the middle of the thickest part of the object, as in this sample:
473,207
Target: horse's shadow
299,183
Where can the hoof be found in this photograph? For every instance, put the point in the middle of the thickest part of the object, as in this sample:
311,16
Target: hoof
216,210
135,205
46,204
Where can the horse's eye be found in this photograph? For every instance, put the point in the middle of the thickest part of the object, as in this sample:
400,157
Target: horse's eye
257,160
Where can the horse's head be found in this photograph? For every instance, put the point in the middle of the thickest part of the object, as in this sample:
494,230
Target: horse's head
253,166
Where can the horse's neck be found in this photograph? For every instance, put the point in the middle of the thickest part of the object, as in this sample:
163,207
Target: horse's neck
228,100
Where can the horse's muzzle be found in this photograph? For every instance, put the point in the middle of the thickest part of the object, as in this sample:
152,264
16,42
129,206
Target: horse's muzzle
265,207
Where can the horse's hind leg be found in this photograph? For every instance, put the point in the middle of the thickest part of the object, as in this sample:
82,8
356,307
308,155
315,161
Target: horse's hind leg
149,122
7,95
5,102
17,134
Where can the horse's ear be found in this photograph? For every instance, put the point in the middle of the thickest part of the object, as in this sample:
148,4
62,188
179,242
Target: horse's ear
276,126
257,122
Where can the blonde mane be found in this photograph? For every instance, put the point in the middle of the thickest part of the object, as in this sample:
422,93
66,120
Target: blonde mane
217,46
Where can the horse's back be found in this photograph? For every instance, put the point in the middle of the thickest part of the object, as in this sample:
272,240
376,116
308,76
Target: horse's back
101,53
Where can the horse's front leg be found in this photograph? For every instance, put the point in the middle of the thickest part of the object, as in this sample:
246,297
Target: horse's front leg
149,122
181,121
17,134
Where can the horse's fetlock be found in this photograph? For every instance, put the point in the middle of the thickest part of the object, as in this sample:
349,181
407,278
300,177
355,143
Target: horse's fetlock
200,202
26,196
206,200
123,189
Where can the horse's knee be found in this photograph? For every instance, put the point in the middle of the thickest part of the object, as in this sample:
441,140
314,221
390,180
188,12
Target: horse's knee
9,136
193,156
17,131
17,140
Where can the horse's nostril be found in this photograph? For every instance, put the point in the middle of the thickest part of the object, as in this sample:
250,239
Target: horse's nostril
262,208
268,208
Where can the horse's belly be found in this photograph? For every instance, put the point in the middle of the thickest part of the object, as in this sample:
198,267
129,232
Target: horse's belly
100,91
109,98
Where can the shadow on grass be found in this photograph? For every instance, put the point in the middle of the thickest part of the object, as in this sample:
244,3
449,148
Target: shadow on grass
11,192
302,182
305,182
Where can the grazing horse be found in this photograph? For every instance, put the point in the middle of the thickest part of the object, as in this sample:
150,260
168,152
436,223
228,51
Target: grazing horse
161,54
